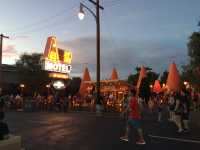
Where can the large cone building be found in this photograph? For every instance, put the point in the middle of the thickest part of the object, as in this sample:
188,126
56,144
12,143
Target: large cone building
157,88
173,79
85,82
114,75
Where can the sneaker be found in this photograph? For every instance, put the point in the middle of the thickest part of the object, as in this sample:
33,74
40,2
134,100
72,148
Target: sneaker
141,142
180,130
124,139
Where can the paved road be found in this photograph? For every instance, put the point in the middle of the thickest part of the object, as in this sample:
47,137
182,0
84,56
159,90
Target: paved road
85,131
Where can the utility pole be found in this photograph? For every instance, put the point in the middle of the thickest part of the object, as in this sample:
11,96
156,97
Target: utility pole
1,49
98,44
98,50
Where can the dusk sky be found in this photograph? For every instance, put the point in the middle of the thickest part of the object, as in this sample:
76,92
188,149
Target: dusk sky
133,32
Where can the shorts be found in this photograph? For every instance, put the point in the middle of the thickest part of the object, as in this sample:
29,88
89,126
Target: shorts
135,123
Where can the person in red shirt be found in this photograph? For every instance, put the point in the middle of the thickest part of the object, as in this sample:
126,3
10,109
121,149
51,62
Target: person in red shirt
134,119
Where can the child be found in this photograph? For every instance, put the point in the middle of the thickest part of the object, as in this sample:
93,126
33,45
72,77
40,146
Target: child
134,119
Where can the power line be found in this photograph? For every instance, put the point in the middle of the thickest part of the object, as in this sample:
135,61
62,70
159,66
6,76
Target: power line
112,3
43,24
40,21
56,23
34,26
48,26
43,21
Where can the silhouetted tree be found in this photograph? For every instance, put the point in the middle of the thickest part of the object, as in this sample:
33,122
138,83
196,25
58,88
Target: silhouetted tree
74,85
191,71
163,78
31,74
144,90
133,78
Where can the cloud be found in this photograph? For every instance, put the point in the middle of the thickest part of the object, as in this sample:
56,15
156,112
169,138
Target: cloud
10,54
20,37
125,55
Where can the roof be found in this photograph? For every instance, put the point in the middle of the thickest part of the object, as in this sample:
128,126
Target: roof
173,79
114,74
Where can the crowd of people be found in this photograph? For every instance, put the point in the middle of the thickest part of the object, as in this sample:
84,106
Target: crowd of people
177,105
55,102
37,103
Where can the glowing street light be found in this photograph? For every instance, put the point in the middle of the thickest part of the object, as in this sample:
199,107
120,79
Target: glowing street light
22,85
47,86
81,14
22,88
185,82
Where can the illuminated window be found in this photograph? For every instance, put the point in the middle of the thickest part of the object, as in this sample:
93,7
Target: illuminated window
68,57
53,56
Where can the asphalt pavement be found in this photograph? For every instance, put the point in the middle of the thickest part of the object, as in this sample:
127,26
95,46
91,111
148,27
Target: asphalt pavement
86,131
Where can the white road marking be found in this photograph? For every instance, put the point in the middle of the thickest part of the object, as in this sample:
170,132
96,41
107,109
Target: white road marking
175,139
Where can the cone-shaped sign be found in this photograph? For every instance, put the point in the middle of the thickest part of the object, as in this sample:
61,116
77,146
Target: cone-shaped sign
84,85
157,88
173,79
114,75
86,75
51,50
141,76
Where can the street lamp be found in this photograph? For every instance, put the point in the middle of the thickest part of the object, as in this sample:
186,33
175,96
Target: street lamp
185,83
22,87
163,85
81,13
96,15
47,86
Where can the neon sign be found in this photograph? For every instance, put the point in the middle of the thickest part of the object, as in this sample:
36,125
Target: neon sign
59,75
57,67
58,85
55,59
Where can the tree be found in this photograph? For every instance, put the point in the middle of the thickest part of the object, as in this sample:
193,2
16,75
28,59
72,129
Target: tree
74,85
151,77
31,74
144,87
133,78
191,71
145,91
163,78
